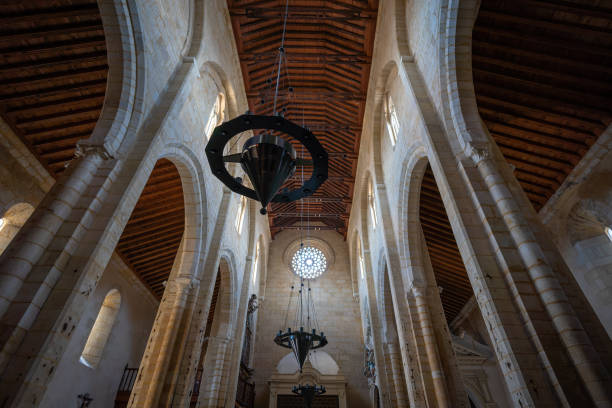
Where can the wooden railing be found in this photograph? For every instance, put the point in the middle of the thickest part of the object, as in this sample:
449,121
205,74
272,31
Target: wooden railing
125,386
245,394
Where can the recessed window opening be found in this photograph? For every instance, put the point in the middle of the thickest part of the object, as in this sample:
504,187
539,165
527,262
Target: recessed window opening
256,265
101,330
216,116
309,262
371,203
240,215
391,120
361,262
608,232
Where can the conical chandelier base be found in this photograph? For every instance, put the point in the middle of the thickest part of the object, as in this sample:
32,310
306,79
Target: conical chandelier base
268,161
301,343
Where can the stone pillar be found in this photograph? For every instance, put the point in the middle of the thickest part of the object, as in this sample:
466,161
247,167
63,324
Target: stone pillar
153,369
396,374
431,348
214,379
565,321
36,236
45,266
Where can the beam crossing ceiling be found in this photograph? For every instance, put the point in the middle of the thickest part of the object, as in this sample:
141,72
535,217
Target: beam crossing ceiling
329,49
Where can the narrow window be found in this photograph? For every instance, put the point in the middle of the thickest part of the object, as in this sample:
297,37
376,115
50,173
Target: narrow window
216,116
256,264
240,215
371,203
608,232
391,119
361,262
101,330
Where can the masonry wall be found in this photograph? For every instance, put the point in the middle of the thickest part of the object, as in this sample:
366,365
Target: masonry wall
125,344
337,312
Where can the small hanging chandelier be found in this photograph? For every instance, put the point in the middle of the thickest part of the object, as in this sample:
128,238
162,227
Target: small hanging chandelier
308,392
307,337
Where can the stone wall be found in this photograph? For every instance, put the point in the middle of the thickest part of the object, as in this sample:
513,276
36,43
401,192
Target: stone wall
337,312
124,346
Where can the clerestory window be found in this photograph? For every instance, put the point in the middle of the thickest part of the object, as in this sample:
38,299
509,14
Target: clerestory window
216,115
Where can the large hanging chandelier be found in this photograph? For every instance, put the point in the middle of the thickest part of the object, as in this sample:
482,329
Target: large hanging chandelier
308,336
268,158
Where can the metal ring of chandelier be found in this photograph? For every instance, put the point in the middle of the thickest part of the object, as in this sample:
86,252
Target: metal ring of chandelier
314,340
223,133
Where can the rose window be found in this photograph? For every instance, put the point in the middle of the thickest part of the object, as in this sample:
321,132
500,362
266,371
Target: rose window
309,262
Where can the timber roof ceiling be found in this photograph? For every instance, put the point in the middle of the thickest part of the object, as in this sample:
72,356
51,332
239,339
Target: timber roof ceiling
448,267
543,80
329,48
53,72
151,238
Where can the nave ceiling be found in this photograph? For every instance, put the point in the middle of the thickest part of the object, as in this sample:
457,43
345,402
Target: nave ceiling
541,76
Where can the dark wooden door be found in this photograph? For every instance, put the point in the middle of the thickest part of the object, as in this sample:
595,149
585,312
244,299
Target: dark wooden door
294,401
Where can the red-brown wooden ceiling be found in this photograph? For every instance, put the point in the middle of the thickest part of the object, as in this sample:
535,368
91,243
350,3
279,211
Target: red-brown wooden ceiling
53,72
541,72
543,80
151,238
329,48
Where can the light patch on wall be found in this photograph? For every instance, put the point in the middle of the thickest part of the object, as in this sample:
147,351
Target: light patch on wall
608,232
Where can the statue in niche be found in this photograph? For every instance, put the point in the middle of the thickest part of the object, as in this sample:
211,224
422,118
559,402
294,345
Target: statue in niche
253,306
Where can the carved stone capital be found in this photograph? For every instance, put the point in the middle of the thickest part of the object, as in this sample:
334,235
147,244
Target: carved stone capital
85,149
477,151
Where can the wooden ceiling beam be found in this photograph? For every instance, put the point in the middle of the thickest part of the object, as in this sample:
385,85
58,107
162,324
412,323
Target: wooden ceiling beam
43,16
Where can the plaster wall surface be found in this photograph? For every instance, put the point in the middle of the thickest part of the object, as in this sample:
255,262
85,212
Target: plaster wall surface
124,347
337,313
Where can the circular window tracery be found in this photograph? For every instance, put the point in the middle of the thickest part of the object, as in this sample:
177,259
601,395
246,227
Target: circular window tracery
309,262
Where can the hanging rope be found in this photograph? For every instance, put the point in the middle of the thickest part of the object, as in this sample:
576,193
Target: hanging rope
280,55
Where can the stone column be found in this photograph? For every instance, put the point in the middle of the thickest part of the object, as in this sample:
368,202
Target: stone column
396,371
564,318
431,348
31,242
213,391
153,368
44,266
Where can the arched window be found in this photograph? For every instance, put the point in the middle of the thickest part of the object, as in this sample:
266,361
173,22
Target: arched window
101,330
371,203
216,115
12,221
608,232
256,264
391,120
360,260
240,215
